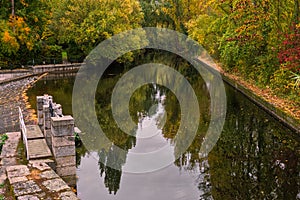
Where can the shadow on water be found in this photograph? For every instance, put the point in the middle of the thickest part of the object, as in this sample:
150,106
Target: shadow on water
256,157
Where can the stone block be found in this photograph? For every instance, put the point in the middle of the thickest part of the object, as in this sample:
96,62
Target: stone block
47,98
38,149
63,151
40,117
8,161
47,125
41,164
63,141
62,121
39,102
28,197
58,109
46,117
40,113
65,161
46,111
68,196
49,174
48,137
17,171
13,180
9,148
3,175
55,185
14,136
58,131
24,188
70,180
66,171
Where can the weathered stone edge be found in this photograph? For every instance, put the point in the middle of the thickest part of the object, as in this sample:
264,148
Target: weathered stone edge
286,119
19,78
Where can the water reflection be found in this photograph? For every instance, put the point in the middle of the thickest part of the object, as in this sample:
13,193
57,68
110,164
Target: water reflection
112,177
168,183
149,136
255,158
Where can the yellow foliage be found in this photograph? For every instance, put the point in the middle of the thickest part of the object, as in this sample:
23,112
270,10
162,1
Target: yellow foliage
16,22
26,30
10,40
29,45
6,37
24,3
19,22
126,5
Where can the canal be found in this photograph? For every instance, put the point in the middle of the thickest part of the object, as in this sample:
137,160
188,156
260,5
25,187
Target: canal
256,157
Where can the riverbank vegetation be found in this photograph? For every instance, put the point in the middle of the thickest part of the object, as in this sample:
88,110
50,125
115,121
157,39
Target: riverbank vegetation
256,40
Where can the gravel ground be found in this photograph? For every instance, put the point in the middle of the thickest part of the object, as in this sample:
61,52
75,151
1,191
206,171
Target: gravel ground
12,96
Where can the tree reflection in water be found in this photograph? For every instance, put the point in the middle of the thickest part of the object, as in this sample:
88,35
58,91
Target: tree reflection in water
112,176
256,157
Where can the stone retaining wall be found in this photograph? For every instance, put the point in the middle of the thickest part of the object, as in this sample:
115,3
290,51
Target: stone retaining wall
59,133
56,67
286,119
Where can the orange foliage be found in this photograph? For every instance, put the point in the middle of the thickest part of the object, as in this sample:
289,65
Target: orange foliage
6,37
10,40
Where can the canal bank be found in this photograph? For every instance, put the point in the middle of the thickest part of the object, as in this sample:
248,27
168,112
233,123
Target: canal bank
12,96
282,111
7,76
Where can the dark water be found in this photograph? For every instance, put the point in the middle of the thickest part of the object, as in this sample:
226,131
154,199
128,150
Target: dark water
256,157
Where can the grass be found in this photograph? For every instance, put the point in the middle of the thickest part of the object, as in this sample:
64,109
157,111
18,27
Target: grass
3,138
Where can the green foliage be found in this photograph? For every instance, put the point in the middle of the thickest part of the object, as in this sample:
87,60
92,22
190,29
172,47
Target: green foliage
3,138
2,197
88,22
252,38
296,78
247,37
281,81
286,84
78,141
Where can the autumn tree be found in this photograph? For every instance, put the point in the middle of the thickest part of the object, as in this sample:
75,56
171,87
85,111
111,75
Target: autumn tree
21,29
88,22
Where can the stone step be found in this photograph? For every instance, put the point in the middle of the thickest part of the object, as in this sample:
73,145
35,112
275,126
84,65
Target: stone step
38,149
34,132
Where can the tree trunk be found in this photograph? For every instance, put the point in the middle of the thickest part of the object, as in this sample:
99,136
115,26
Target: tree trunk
13,8
296,12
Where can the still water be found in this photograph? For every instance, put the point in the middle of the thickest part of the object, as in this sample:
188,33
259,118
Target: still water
256,156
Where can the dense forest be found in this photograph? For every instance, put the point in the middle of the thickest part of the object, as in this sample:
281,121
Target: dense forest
256,39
